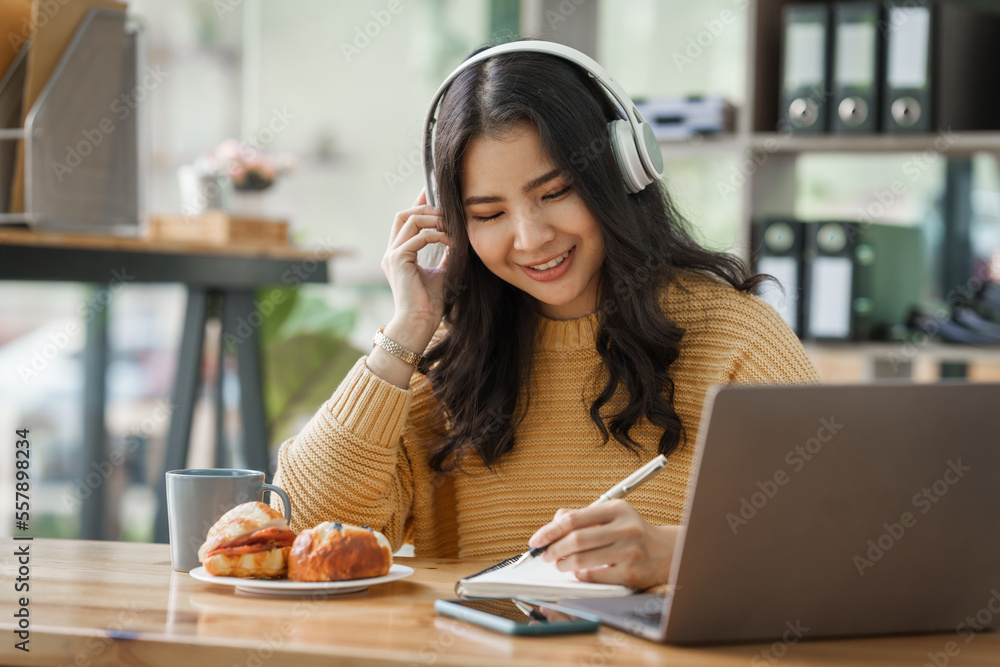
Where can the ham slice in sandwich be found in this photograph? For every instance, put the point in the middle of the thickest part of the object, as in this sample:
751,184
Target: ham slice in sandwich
250,540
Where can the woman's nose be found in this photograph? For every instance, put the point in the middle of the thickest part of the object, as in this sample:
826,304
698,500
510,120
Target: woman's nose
531,231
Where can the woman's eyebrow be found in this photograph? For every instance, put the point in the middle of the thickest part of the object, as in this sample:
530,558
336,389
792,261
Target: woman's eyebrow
531,185
541,180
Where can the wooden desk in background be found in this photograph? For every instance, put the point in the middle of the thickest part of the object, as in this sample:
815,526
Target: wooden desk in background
226,273
116,603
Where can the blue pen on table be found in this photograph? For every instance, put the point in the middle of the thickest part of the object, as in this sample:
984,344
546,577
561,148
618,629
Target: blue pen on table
619,490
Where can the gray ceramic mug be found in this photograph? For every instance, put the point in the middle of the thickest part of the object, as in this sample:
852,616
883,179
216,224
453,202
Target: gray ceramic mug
197,497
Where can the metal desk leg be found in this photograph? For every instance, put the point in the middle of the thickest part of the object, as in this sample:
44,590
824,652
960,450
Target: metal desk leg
223,457
240,324
95,365
183,399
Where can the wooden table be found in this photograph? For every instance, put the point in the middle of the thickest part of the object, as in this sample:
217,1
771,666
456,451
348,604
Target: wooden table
224,274
114,603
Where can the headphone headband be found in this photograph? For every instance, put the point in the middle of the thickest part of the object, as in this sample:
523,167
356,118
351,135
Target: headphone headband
641,133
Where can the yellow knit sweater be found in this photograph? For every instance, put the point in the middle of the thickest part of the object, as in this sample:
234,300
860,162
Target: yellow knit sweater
360,460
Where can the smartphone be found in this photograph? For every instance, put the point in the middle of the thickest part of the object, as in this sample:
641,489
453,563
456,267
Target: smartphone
516,617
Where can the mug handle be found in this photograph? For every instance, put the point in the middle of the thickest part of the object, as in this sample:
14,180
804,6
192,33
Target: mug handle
286,504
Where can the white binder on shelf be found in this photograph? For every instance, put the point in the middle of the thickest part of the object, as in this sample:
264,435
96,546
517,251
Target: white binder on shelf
829,281
779,254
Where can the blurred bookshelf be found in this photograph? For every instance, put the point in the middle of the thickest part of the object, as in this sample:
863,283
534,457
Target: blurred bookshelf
957,144
851,362
773,188
771,191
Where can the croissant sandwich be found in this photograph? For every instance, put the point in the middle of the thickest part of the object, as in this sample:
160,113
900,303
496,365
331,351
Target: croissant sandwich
333,551
250,540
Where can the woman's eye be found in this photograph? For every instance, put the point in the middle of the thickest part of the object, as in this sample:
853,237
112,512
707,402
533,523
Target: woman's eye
556,195
552,195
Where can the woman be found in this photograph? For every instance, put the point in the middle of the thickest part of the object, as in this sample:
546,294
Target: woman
571,333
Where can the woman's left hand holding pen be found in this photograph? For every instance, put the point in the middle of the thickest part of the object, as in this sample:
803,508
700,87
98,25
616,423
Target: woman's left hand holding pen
608,543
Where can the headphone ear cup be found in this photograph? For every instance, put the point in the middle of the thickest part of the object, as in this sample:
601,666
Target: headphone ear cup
627,156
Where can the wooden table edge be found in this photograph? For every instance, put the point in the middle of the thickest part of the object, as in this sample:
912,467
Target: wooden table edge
323,250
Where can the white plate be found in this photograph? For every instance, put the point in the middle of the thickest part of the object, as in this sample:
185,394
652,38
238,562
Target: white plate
288,588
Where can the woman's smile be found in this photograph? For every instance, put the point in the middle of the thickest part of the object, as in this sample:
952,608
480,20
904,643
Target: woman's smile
552,269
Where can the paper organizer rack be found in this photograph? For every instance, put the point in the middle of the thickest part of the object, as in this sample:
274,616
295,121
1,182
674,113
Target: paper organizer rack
80,136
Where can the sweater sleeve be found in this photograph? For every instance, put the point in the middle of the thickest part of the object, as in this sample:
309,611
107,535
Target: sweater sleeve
348,463
770,352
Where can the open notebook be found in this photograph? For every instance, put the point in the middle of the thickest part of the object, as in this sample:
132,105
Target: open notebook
535,579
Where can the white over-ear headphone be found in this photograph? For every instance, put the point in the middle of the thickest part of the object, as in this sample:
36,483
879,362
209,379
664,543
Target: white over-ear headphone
635,148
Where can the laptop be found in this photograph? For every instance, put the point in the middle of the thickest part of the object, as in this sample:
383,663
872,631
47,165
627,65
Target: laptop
824,511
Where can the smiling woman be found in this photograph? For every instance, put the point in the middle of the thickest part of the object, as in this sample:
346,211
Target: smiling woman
536,234
572,309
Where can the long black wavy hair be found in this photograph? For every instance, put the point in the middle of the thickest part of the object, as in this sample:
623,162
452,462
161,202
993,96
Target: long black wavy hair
479,366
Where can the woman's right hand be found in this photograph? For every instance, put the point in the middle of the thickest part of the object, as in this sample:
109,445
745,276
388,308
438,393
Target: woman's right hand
417,292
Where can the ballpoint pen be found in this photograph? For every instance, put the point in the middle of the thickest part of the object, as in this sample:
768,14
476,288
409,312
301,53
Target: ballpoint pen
530,611
617,491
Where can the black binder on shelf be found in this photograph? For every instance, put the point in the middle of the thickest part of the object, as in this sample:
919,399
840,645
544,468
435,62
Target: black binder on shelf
779,246
857,67
840,280
828,289
805,67
889,277
941,62
906,102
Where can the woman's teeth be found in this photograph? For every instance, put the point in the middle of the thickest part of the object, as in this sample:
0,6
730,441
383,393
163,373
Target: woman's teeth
552,264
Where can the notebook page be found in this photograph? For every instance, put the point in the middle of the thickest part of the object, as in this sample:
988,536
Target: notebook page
534,571
536,574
